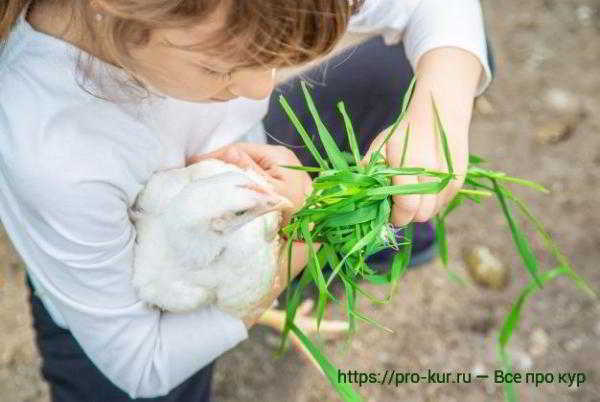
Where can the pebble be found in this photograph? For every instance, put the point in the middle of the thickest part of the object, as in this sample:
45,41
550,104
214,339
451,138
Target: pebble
573,344
478,369
485,268
562,101
384,357
584,14
424,361
484,106
522,360
273,341
566,110
553,131
539,342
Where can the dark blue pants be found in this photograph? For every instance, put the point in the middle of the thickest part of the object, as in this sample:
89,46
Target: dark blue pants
74,378
371,81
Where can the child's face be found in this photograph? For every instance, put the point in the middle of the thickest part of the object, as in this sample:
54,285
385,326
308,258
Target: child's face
190,76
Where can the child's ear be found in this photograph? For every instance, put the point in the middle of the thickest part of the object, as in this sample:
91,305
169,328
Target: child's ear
264,200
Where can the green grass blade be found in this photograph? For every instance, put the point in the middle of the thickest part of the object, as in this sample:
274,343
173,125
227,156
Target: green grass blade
363,242
331,148
551,245
399,268
439,127
371,321
315,267
349,157
469,180
526,183
475,160
413,188
510,395
385,140
521,242
405,103
409,94
305,137
405,145
303,168
350,132
452,205
350,303
349,286
440,234
349,178
512,320
476,171
475,192
331,372
365,214
405,171
292,305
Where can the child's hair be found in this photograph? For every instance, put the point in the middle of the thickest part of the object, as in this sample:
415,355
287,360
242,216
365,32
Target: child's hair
272,33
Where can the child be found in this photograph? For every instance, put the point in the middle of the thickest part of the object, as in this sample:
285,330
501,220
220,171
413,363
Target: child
96,96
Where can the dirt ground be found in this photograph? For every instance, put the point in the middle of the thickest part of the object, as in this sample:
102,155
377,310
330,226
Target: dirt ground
547,85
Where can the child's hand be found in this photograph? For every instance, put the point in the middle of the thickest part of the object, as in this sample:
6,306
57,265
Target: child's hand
450,75
295,185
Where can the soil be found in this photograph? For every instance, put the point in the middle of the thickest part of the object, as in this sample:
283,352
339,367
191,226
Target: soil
537,121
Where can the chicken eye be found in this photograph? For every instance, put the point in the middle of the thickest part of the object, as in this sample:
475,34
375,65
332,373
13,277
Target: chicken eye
240,213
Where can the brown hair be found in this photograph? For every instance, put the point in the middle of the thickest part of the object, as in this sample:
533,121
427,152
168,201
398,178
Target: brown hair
274,33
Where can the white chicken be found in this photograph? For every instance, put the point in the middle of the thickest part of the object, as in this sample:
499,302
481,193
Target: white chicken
208,234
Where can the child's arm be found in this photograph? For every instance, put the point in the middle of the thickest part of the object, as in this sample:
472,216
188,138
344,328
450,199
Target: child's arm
445,43
72,230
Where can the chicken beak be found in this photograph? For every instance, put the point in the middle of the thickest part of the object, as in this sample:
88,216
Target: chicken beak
271,200
267,201
276,203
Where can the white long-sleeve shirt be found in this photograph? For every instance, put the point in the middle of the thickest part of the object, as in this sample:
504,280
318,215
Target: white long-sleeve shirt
72,164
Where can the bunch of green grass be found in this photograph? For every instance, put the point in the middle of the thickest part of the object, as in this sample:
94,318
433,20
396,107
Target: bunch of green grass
348,213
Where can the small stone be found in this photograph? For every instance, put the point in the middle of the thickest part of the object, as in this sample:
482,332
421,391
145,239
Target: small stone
567,110
358,345
484,106
424,361
562,101
522,360
490,387
486,269
383,357
478,369
597,329
554,131
584,14
273,341
573,344
539,342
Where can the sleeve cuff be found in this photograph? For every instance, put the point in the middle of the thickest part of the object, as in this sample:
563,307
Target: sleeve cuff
459,23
